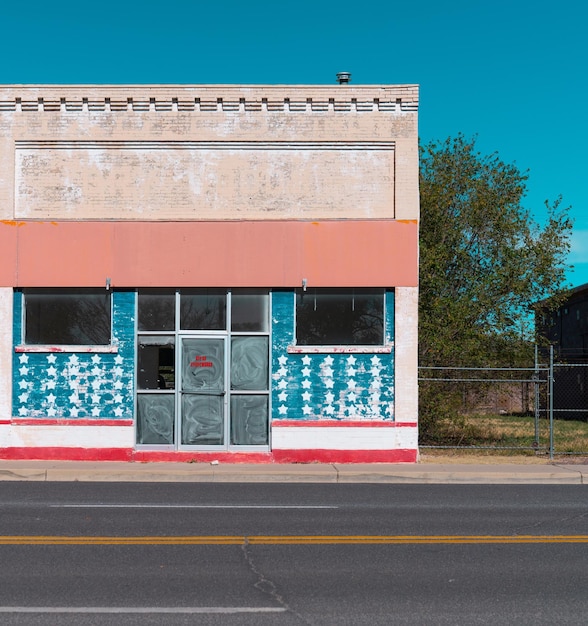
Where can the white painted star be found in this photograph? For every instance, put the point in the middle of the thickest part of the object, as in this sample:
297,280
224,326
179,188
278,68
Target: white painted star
306,384
352,410
375,371
96,384
118,411
51,412
306,410
282,396
96,412
51,371
24,370
376,383
329,383
51,384
328,371
96,359
74,371
23,397
351,360
74,398
282,372
351,384
23,411
118,371
118,360
51,398
282,360
375,398
282,384
23,358
73,359
306,372
306,396
282,410
118,398
74,412
118,384
96,371
23,384
375,360
329,397
306,360
51,358
95,398
330,409
328,360
351,397
351,371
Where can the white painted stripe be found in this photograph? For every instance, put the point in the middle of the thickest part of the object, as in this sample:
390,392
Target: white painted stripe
344,438
188,506
57,435
142,610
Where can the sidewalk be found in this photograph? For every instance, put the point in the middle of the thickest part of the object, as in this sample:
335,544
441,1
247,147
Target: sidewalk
432,473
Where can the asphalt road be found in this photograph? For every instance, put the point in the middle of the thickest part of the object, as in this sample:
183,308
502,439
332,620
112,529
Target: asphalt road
96,553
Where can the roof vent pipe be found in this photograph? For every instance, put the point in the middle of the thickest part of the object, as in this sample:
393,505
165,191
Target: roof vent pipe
343,77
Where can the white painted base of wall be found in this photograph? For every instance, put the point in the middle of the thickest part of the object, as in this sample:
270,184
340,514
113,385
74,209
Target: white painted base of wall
343,438
58,436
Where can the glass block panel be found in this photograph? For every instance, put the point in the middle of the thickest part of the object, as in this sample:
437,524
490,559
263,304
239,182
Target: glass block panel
203,309
250,363
203,365
202,420
249,420
155,418
249,311
156,309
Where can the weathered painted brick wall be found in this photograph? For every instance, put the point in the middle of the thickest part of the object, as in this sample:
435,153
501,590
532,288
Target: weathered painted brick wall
201,153
348,386
77,385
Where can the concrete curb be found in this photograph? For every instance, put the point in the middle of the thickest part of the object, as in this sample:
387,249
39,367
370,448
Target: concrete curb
66,471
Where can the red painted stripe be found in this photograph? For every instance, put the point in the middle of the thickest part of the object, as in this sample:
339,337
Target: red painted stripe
346,456
68,422
154,456
340,424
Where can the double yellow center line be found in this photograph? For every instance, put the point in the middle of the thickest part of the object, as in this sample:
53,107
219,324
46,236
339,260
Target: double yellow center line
237,540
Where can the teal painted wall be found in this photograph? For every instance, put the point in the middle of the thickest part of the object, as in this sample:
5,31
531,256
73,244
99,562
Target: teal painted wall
337,386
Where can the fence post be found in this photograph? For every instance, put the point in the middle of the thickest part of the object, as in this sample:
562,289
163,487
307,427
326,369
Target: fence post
537,398
551,402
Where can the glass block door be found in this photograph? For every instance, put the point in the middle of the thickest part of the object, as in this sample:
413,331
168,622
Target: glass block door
203,392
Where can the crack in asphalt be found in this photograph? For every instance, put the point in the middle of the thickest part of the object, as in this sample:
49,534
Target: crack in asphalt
267,586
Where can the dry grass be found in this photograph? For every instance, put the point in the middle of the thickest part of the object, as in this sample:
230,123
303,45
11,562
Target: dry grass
511,435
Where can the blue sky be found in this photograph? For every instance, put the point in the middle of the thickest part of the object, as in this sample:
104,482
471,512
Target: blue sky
511,72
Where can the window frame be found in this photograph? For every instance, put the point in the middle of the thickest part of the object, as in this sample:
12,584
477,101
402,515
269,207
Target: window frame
385,347
24,346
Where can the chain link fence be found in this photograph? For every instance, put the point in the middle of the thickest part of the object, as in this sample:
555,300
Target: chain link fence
542,408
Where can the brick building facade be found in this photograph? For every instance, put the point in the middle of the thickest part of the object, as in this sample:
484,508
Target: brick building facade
209,272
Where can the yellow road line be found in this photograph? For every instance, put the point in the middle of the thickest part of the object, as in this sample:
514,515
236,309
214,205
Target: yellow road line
28,540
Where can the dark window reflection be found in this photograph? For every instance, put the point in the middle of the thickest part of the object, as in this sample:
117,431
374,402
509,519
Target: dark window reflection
68,317
156,362
156,309
203,309
249,310
340,317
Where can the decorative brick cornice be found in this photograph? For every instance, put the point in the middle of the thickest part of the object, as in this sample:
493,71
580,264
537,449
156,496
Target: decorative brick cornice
401,98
